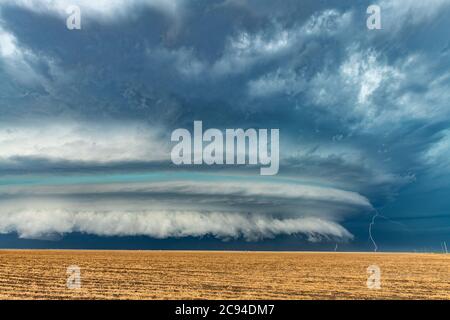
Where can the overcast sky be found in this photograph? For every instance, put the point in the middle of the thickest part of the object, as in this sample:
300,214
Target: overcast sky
86,117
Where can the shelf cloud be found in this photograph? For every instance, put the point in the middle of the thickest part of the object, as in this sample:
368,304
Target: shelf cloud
225,209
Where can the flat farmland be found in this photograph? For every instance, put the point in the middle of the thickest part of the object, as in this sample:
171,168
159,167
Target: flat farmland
42,274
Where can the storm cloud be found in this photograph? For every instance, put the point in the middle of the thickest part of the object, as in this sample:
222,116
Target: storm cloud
86,115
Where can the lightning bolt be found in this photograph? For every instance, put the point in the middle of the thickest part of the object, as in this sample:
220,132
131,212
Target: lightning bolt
372,223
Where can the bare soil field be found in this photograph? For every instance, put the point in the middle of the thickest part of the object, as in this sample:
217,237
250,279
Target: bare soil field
41,274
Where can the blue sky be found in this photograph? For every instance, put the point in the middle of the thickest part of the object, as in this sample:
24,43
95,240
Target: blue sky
86,119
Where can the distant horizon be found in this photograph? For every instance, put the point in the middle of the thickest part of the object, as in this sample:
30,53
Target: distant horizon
217,250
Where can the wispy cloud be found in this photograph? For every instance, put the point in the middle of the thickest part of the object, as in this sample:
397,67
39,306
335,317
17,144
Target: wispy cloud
77,142
100,9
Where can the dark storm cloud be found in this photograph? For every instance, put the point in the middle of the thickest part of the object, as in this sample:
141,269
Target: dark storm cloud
359,110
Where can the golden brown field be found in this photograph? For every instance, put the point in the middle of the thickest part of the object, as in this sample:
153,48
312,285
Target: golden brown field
221,275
